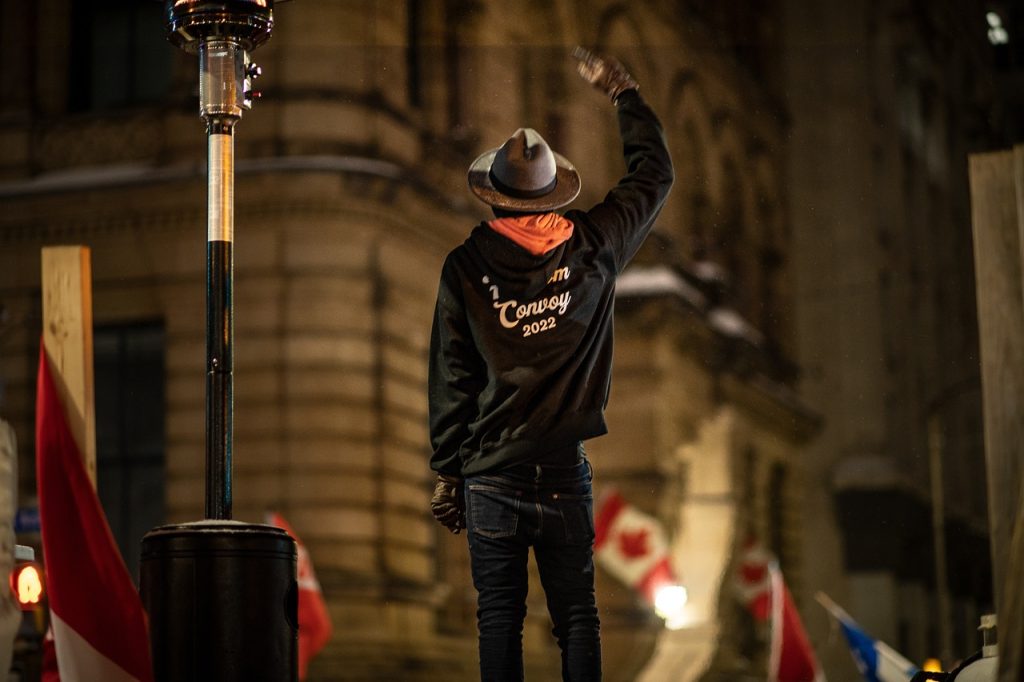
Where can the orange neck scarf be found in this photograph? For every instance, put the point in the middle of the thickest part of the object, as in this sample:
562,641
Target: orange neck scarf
537,233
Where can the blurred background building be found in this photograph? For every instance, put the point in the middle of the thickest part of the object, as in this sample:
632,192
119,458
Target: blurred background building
886,100
797,348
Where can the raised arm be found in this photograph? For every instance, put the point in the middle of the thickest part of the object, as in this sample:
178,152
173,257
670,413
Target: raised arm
628,211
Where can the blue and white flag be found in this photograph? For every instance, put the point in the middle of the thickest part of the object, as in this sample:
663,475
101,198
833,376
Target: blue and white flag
877,661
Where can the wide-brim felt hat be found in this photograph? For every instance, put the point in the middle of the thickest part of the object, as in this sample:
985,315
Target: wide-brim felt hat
524,174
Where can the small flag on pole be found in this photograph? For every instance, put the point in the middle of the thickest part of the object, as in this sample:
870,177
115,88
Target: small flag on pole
99,626
631,545
876,660
763,591
314,621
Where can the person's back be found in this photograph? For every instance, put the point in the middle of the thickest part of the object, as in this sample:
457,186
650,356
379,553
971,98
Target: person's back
520,369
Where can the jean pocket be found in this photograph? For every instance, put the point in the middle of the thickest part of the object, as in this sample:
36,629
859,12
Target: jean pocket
493,512
577,514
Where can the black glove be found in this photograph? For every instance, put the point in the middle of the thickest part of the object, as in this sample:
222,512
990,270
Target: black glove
604,73
448,505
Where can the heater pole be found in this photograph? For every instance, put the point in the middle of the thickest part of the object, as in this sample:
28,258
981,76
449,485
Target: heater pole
221,595
220,32
219,320
220,61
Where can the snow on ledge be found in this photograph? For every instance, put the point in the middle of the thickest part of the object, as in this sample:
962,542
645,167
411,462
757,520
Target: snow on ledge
128,174
728,322
658,280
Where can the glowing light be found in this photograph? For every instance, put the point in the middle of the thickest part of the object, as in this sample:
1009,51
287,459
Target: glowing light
997,33
28,585
932,665
670,605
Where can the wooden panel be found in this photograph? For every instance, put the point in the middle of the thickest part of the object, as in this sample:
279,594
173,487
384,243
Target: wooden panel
67,337
997,252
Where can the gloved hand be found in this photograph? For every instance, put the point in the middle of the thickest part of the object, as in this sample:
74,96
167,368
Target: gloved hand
604,73
448,505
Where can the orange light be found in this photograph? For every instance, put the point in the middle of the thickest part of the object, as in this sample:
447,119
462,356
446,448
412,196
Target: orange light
932,665
27,586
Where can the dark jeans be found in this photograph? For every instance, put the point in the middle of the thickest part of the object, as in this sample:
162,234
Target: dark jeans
551,508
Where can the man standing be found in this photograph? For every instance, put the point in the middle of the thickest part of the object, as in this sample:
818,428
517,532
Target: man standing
520,369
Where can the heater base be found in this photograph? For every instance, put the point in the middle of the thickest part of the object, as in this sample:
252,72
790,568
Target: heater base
222,601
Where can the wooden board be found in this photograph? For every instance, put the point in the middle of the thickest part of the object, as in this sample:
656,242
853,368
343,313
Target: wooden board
997,193
67,338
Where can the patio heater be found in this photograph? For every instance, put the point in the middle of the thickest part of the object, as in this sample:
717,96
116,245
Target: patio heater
221,594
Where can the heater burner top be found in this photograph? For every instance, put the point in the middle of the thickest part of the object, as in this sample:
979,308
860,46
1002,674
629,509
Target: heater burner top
247,21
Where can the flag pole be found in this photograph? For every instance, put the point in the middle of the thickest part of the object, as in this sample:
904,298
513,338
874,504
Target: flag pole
835,609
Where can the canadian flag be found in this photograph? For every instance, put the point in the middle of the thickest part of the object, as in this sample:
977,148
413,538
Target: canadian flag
631,545
99,626
314,621
761,589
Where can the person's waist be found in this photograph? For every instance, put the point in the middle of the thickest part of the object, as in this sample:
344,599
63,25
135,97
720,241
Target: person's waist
563,457
567,462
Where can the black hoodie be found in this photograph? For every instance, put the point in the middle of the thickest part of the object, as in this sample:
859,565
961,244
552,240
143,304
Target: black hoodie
521,347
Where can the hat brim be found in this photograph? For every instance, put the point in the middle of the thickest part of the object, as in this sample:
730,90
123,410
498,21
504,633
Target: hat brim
567,186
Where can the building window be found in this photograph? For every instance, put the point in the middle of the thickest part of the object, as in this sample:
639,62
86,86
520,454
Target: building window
414,19
119,55
130,408
454,69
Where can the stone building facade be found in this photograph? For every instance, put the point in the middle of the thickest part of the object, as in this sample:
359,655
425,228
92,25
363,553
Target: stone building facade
351,189
887,99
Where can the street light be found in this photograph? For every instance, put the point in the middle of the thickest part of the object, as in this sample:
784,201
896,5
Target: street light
670,605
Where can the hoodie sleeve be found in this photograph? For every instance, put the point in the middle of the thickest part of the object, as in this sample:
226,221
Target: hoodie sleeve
455,378
628,211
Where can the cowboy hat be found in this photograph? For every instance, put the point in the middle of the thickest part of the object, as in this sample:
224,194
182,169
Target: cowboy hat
524,175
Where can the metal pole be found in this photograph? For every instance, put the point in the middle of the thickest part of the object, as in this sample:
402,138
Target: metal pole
939,539
220,62
219,325
220,31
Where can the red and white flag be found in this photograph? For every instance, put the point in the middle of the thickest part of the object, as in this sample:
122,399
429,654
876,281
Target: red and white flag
48,668
314,621
99,626
631,545
762,590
